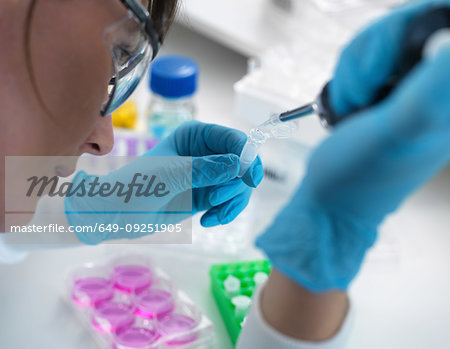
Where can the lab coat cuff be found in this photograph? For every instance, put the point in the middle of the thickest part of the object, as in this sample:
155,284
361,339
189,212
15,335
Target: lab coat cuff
257,333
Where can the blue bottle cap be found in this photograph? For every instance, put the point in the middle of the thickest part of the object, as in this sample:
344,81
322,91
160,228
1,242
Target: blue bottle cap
174,76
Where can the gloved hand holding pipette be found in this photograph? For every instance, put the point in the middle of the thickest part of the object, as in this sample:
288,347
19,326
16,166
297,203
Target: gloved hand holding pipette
422,37
364,171
370,163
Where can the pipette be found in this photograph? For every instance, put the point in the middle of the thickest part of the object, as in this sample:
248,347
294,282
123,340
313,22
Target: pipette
425,37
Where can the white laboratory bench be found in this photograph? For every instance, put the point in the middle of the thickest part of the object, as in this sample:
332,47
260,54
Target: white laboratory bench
401,297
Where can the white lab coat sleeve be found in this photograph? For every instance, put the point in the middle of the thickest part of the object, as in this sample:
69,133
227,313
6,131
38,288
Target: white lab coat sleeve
257,333
14,247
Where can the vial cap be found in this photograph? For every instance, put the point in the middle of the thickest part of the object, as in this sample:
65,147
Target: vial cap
260,278
241,302
232,284
174,76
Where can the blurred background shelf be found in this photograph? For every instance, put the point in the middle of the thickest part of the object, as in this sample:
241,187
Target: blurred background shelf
250,27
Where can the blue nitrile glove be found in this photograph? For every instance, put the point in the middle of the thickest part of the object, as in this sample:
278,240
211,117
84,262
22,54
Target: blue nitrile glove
222,202
371,58
198,163
368,166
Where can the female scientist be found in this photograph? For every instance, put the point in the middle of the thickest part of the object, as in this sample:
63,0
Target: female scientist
354,179
67,65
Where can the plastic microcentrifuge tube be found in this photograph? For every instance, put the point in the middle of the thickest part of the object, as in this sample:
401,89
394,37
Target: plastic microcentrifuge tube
242,305
135,337
132,278
250,151
272,128
109,317
232,286
259,278
173,324
154,303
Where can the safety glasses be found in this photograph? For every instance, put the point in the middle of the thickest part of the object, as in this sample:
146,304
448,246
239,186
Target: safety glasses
133,43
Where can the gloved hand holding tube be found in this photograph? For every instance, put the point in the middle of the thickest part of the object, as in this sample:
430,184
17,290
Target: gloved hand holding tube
197,162
371,162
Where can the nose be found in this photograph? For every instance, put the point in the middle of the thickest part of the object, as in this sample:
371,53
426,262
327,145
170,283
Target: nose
101,140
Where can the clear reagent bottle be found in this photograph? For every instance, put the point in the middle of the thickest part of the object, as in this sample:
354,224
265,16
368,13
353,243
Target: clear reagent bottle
173,83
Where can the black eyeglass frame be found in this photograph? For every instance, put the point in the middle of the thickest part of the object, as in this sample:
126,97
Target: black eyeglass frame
143,18
145,21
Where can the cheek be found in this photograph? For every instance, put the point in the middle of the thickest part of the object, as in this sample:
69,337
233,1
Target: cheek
72,67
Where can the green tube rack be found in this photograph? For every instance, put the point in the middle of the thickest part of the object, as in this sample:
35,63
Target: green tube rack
245,272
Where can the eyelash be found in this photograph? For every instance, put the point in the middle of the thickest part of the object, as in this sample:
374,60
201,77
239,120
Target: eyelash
123,53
